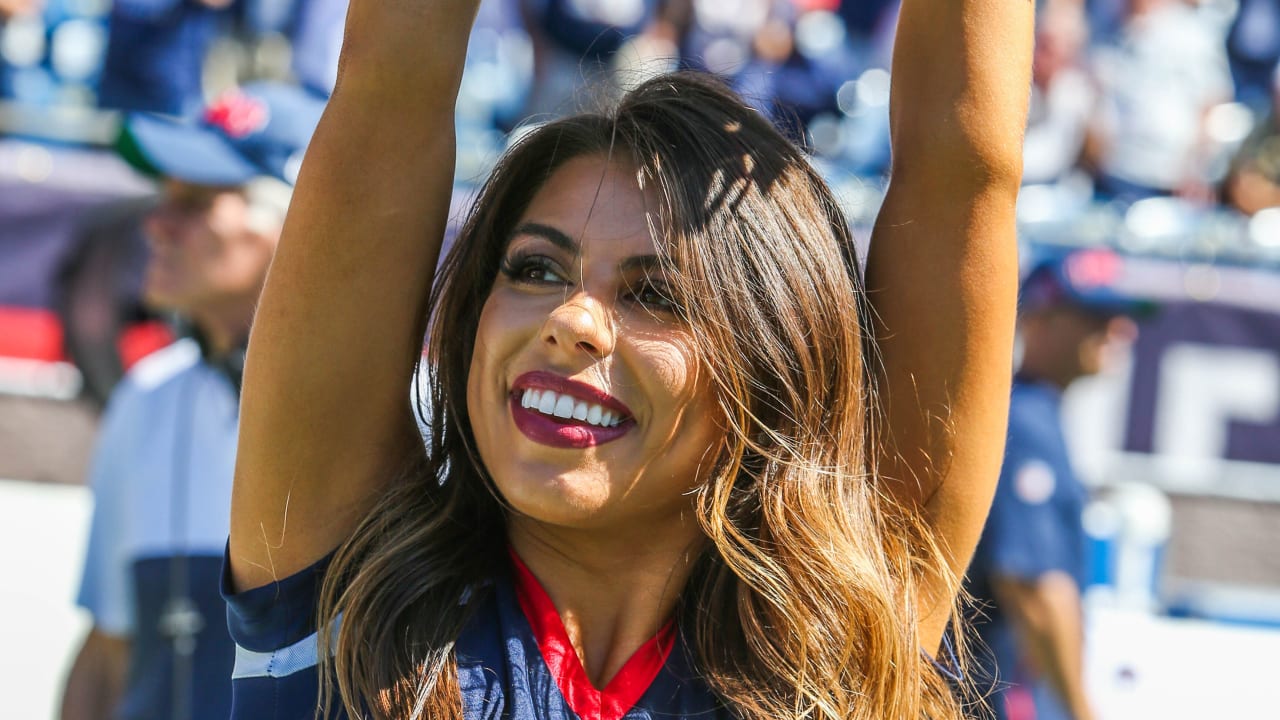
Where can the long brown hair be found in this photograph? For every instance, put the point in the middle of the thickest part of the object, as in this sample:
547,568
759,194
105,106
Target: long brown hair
804,603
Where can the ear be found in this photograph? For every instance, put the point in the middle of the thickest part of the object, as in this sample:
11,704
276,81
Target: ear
1121,329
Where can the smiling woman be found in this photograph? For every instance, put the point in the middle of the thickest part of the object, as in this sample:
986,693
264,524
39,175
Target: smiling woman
685,462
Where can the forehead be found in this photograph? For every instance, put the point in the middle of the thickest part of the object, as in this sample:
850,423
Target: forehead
599,203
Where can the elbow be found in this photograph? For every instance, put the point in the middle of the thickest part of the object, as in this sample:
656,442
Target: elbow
966,149
962,166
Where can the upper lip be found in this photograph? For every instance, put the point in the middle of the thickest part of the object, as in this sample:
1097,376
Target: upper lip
543,380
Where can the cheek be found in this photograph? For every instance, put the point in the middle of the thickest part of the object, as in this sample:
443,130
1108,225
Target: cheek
480,355
682,391
672,369
500,332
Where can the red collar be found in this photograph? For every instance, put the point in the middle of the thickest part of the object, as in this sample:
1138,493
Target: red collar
623,691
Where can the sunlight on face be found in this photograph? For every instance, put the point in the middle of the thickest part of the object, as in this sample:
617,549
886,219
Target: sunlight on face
585,395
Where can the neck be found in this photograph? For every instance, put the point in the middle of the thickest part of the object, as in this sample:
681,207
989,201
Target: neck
614,590
225,326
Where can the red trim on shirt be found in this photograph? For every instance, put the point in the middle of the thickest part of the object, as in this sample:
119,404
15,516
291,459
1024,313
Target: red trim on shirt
141,339
623,691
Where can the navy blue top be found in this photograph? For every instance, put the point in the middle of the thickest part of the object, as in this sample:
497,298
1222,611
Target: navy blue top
1035,523
505,657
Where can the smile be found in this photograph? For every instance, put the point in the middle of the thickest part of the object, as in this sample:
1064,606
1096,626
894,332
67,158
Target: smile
565,406
553,410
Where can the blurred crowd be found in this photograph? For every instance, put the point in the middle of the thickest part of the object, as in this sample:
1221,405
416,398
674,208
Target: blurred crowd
1164,113
1154,125
1133,98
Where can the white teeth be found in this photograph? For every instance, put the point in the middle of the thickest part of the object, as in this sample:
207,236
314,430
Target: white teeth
547,403
564,407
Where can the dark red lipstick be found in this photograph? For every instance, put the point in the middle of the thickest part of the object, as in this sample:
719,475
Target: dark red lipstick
560,431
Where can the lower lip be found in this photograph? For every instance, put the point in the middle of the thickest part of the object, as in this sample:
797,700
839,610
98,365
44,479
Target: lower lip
555,432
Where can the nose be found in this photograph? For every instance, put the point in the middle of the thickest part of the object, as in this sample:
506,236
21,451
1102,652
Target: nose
580,324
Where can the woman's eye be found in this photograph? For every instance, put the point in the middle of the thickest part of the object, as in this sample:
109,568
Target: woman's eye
532,270
655,296
538,273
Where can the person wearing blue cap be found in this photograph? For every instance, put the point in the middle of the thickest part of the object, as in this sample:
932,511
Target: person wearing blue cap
1028,570
162,469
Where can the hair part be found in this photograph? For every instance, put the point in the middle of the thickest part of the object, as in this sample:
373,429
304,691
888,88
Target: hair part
804,602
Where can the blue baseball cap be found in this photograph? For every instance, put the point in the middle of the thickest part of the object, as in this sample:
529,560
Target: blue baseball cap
1088,279
258,129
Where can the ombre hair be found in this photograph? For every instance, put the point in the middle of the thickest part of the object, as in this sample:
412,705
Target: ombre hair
805,600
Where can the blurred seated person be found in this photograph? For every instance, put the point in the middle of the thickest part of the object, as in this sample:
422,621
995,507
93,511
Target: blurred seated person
788,73
10,8
865,19
313,29
1253,48
162,469
573,47
1029,568
1062,95
1253,183
156,51
1156,84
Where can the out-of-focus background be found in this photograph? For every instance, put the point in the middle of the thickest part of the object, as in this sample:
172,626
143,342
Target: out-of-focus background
1153,132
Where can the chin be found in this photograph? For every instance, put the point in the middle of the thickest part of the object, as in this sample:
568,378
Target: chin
554,499
159,297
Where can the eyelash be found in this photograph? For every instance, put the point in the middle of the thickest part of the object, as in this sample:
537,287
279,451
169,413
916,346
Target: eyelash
519,266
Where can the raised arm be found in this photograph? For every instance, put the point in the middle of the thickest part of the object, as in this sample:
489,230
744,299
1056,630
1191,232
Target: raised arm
325,415
942,269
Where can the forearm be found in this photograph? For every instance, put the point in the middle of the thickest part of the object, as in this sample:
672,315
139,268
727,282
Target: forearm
96,681
1050,622
325,419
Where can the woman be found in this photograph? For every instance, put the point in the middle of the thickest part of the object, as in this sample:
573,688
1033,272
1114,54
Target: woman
683,463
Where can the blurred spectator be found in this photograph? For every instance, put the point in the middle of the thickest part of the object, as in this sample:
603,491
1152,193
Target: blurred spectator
99,296
864,19
316,37
162,469
1156,84
573,45
1253,47
156,51
1062,95
313,29
1253,183
1029,566
788,58
9,8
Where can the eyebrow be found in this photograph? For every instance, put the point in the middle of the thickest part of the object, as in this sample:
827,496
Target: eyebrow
569,245
550,234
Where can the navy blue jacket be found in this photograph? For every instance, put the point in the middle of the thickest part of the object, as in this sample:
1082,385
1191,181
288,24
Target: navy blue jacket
515,661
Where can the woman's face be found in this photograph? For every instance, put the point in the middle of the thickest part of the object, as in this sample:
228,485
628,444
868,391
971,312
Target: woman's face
587,403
